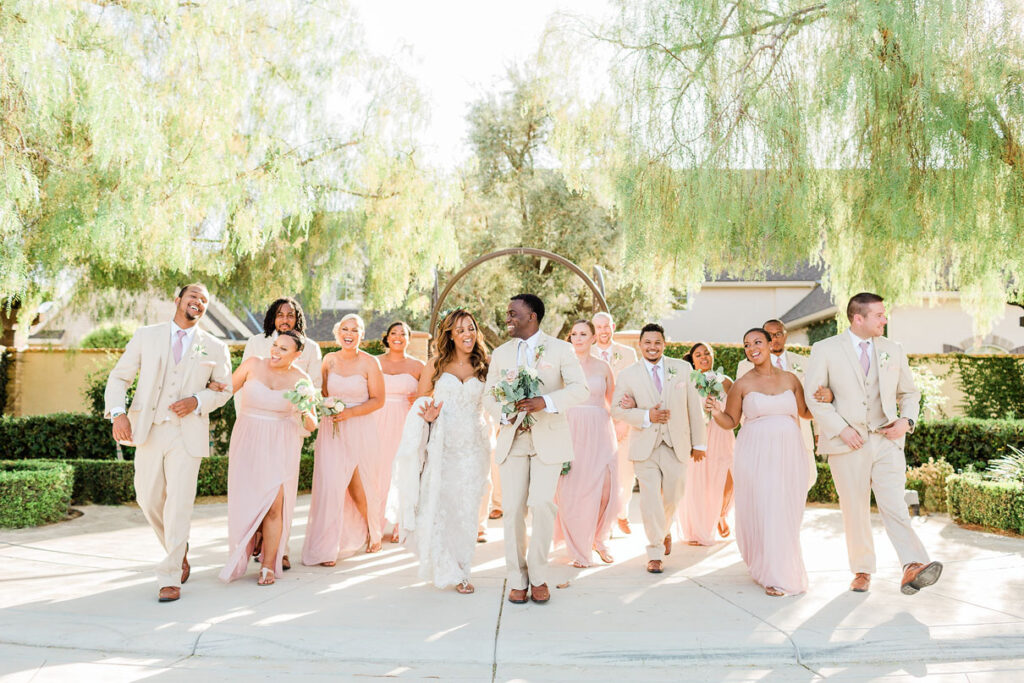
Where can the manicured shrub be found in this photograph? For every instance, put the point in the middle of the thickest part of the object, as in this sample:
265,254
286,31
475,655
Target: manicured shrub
993,385
824,489
963,441
110,336
58,436
932,476
34,492
996,504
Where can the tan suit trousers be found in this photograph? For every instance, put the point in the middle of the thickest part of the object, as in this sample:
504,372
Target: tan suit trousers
626,474
528,484
165,486
662,480
879,466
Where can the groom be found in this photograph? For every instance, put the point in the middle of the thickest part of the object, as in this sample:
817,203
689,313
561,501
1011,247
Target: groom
168,422
531,459
863,432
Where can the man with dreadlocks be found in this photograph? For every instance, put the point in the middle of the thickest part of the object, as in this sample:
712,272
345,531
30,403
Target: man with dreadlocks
283,315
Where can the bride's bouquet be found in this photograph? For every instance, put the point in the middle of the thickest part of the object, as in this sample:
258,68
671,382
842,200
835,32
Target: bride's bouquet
515,386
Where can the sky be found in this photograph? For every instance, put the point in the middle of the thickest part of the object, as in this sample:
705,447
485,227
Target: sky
458,50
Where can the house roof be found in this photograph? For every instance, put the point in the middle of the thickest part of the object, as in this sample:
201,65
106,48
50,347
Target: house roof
817,305
804,272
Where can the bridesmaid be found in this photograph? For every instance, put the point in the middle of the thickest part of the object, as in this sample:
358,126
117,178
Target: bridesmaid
339,521
770,469
263,458
587,496
707,497
401,379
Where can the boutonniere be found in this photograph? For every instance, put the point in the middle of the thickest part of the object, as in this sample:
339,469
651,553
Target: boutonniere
797,368
883,358
198,350
616,357
538,353
671,372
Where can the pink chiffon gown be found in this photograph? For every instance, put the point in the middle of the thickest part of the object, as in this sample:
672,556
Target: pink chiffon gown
391,420
335,527
770,476
263,458
704,502
588,496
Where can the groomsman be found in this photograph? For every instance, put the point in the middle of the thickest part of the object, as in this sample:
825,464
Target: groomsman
531,458
863,431
787,361
657,399
168,422
620,357
283,315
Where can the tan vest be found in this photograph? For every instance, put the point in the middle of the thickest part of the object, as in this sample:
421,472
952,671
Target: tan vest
170,389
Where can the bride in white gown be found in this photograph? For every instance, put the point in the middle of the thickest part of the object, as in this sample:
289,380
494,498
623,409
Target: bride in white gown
442,463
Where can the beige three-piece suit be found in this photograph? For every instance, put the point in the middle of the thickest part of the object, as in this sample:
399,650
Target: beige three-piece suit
866,402
660,452
531,461
169,448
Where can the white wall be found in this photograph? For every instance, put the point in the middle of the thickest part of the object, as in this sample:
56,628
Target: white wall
722,312
924,329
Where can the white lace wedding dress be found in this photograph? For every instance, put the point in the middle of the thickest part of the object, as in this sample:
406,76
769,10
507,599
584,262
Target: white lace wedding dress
439,475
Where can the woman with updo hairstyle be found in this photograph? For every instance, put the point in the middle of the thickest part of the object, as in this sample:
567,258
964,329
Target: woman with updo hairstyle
769,468
401,387
343,513
587,496
707,497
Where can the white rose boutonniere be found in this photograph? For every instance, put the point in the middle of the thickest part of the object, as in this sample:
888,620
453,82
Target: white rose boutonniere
198,351
672,372
797,367
616,358
883,358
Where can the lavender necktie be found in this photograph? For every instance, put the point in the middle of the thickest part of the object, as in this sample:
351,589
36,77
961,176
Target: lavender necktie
865,362
178,347
657,379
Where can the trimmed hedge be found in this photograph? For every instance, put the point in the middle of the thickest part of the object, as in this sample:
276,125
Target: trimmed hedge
58,436
963,441
34,492
996,504
6,360
824,489
111,482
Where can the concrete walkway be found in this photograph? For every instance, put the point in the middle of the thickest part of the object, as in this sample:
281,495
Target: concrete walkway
78,603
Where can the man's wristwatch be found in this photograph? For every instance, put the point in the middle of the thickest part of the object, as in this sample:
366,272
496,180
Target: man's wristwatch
911,423
114,414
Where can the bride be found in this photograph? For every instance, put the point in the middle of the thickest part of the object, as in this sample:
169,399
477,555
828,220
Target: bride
442,463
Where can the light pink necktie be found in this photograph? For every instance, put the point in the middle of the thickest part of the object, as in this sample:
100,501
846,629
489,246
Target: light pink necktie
607,356
178,346
657,380
865,362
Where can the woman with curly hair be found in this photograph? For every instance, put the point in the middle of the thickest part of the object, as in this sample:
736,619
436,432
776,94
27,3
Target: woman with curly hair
442,462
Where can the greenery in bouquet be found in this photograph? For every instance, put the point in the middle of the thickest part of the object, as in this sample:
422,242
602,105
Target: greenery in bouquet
331,406
304,396
709,383
514,386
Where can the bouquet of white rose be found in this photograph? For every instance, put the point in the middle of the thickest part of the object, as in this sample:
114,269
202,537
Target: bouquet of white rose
709,383
332,406
515,386
304,396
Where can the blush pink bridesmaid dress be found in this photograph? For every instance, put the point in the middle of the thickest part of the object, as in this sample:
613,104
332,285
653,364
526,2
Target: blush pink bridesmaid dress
770,476
704,503
588,496
263,459
335,528
391,420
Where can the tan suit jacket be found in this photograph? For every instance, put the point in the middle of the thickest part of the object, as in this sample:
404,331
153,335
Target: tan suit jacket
309,361
834,364
562,381
146,355
798,366
686,424
622,356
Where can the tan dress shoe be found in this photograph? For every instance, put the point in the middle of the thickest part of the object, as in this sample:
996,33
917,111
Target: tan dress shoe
169,594
861,582
655,566
186,568
540,593
496,513
917,576
517,595
668,544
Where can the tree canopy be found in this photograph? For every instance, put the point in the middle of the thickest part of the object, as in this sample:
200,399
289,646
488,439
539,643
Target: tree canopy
257,145
882,137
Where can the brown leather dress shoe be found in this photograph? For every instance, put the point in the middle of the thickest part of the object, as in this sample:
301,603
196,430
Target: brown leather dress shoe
655,567
917,576
624,526
540,593
861,582
169,594
517,595
186,568
668,544
496,513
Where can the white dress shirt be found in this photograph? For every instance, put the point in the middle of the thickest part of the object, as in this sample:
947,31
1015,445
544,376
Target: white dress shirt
526,351
779,361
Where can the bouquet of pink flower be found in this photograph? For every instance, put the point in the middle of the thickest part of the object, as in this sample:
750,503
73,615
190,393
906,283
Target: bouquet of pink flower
332,406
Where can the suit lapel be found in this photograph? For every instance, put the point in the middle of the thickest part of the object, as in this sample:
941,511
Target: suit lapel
851,356
883,377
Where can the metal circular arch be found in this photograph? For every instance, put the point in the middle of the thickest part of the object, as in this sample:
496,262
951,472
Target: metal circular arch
515,251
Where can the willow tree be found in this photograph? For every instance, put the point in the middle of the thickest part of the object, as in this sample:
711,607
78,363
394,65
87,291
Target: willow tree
244,143
881,136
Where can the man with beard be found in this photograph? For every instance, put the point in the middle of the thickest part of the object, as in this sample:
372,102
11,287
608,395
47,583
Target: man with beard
283,315
168,422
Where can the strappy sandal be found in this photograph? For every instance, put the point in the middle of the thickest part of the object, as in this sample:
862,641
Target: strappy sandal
579,565
464,587
267,577
723,525
605,556
328,563
374,547
773,591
